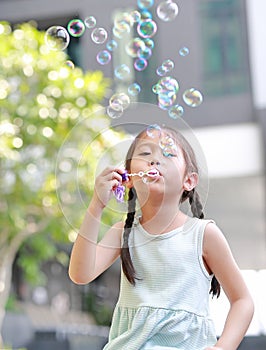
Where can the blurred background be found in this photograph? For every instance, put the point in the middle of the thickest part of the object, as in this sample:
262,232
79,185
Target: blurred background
54,128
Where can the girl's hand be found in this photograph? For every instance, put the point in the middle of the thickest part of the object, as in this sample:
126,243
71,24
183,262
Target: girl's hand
213,348
105,183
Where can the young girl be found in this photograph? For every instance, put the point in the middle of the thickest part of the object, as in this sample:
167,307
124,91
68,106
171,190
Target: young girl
170,260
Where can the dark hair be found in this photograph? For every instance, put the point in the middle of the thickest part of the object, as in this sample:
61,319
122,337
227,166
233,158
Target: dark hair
192,196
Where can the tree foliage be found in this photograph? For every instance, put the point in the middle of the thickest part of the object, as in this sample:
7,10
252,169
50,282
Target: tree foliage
50,140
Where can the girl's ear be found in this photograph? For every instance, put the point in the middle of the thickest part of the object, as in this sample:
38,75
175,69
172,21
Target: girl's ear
191,180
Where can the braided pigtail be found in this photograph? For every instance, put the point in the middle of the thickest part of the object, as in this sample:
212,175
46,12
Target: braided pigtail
197,211
127,264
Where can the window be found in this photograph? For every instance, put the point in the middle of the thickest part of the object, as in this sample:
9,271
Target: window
225,49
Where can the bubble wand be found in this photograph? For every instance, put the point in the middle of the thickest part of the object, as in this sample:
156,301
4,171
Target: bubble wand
119,191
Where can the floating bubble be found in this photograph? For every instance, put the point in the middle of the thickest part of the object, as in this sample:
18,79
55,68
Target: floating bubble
145,14
165,68
176,111
134,89
153,131
146,53
145,4
57,38
123,19
99,35
167,10
134,46
184,51
111,45
140,64
169,84
122,72
136,16
156,89
114,113
90,22
149,43
103,57
76,27
166,99
147,28
70,64
168,145
119,99
192,97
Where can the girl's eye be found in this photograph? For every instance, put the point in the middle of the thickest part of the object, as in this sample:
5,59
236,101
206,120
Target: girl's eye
144,153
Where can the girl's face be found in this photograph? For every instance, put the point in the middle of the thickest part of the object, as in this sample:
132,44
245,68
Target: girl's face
169,161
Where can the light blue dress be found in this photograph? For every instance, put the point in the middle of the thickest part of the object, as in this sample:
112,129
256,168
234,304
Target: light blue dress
168,308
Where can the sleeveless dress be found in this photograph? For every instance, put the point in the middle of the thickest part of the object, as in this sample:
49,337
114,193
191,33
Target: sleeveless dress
168,308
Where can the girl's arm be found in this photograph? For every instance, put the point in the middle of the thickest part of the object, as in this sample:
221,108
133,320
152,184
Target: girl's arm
219,259
89,258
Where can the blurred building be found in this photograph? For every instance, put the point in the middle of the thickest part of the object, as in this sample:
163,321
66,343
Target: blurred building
226,40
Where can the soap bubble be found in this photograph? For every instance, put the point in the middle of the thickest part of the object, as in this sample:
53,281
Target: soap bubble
167,10
145,14
184,51
123,20
111,45
90,22
114,113
136,16
147,28
99,35
169,84
76,27
146,53
149,43
103,57
153,131
70,64
145,4
119,99
166,99
192,97
122,72
176,111
134,89
157,88
165,68
134,46
168,145
57,38
140,64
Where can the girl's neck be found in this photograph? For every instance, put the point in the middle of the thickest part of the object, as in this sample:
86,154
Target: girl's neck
161,219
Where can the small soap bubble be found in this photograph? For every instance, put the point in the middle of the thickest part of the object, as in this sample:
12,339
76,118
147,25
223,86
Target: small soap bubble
156,89
160,71
134,89
57,38
154,131
103,57
168,65
119,99
90,22
145,14
99,35
70,64
167,10
145,4
134,46
146,53
114,113
147,28
192,97
184,51
169,84
149,43
111,45
76,27
176,111
168,145
140,64
136,16
122,72
166,99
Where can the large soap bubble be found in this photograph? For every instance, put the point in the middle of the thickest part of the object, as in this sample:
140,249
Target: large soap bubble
76,27
99,35
192,97
147,28
167,10
57,38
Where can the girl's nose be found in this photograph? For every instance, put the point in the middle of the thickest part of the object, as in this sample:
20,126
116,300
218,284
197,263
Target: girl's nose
154,163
